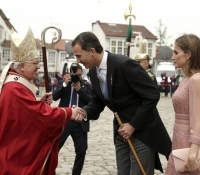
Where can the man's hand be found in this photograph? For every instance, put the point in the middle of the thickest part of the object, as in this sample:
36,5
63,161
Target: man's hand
67,79
77,113
126,131
77,85
47,98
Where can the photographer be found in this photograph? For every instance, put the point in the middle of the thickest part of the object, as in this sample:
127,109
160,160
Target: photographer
74,91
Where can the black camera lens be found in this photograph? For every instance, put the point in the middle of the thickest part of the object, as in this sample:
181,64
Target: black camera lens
75,78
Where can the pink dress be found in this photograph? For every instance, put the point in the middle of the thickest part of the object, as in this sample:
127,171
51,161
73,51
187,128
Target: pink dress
186,102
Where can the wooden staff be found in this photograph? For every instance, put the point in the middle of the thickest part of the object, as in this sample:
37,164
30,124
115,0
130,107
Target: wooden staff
130,144
44,53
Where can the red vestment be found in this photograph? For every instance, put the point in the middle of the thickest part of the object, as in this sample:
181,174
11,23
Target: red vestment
29,132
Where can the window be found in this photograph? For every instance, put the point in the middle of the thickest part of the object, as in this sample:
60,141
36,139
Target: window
40,56
6,54
51,57
118,47
125,50
63,56
113,46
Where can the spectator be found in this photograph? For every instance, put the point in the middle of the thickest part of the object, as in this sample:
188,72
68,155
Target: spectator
78,131
173,84
59,77
166,84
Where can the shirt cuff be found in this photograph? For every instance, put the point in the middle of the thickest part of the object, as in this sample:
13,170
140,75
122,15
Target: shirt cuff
85,118
64,84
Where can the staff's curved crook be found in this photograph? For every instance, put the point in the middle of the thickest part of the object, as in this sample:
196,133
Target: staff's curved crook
44,53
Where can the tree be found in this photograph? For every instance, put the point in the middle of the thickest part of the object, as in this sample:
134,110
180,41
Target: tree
161,30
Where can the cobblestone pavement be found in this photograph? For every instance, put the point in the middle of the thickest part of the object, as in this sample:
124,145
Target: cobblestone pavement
100,157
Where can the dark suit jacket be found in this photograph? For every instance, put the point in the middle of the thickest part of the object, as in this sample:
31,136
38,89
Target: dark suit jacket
64,94
134,96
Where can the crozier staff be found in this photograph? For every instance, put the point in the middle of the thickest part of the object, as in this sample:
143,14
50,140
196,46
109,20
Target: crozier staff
44,53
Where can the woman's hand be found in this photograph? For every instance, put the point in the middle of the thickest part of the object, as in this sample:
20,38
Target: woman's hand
191,164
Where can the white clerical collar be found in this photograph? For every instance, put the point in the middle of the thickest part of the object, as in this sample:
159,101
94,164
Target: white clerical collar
103,64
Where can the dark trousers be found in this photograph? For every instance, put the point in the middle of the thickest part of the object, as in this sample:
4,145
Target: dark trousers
166,90
126,162
80,143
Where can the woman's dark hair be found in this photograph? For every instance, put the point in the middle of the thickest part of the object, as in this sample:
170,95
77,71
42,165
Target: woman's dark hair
190,43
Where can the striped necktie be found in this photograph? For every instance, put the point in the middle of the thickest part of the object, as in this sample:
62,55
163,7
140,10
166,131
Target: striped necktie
103,83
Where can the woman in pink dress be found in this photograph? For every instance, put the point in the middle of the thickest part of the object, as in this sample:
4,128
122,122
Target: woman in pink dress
186,102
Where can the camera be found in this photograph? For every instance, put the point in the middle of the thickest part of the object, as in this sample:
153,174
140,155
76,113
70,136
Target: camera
74,77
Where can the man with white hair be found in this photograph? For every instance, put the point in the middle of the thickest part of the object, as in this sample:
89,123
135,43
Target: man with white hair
144,61
30,128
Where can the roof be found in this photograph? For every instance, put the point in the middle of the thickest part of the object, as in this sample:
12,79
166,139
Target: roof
120,30
6,43
59,46
47,45
10,26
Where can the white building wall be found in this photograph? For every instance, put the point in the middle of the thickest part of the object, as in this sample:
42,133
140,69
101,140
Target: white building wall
153,47
96,29
4,35
106,40
4,31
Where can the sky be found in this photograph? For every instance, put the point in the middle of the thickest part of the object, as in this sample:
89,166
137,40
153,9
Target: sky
76,16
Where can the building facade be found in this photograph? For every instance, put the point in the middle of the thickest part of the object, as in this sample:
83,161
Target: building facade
112,37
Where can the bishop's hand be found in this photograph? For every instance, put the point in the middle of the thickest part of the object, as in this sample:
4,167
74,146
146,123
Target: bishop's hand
77,113
47,97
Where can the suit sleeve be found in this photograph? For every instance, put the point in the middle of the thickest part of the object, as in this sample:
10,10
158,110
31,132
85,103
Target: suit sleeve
144,87
96,105
155,81
58,91
85,93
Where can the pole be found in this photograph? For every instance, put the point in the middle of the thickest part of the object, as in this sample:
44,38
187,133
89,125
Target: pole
44,53
130,144
128,39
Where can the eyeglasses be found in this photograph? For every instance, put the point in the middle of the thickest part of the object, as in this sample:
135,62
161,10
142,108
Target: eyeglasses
35,64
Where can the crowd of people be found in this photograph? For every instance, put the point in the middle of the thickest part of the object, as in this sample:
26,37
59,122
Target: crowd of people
32,132
169,84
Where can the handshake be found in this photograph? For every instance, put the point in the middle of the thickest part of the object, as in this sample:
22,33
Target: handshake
78,114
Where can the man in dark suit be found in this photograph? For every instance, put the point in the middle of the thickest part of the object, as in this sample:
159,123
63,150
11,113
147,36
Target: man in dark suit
78,131
122,85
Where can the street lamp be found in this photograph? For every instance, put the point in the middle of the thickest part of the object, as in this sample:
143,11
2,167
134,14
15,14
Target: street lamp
128,37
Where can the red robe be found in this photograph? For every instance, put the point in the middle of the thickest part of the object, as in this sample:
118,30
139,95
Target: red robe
29,131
